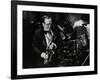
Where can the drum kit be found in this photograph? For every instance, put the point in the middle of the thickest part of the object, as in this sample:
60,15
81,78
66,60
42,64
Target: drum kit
70,52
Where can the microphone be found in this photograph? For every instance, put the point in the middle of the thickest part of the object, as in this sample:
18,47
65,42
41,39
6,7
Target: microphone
60,28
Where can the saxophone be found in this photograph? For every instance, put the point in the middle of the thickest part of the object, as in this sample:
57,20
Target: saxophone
49,53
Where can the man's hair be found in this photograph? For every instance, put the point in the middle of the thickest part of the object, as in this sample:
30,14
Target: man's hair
45,17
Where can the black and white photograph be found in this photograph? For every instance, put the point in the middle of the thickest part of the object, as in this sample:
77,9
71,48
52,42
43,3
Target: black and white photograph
51,39
55,39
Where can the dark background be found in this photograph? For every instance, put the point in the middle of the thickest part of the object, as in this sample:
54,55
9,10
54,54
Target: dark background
30,21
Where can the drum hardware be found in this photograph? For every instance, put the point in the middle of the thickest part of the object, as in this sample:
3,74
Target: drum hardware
70,53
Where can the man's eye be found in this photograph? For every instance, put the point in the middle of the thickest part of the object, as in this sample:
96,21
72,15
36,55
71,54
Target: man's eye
84,24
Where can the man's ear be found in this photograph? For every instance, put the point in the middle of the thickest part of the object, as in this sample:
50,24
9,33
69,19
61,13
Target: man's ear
42,23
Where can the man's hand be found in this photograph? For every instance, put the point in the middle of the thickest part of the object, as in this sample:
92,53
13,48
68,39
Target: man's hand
53,46
44,55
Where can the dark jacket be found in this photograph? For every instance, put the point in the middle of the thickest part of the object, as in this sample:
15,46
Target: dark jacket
39,42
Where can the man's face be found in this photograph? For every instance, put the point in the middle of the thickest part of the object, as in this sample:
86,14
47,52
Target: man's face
47,24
